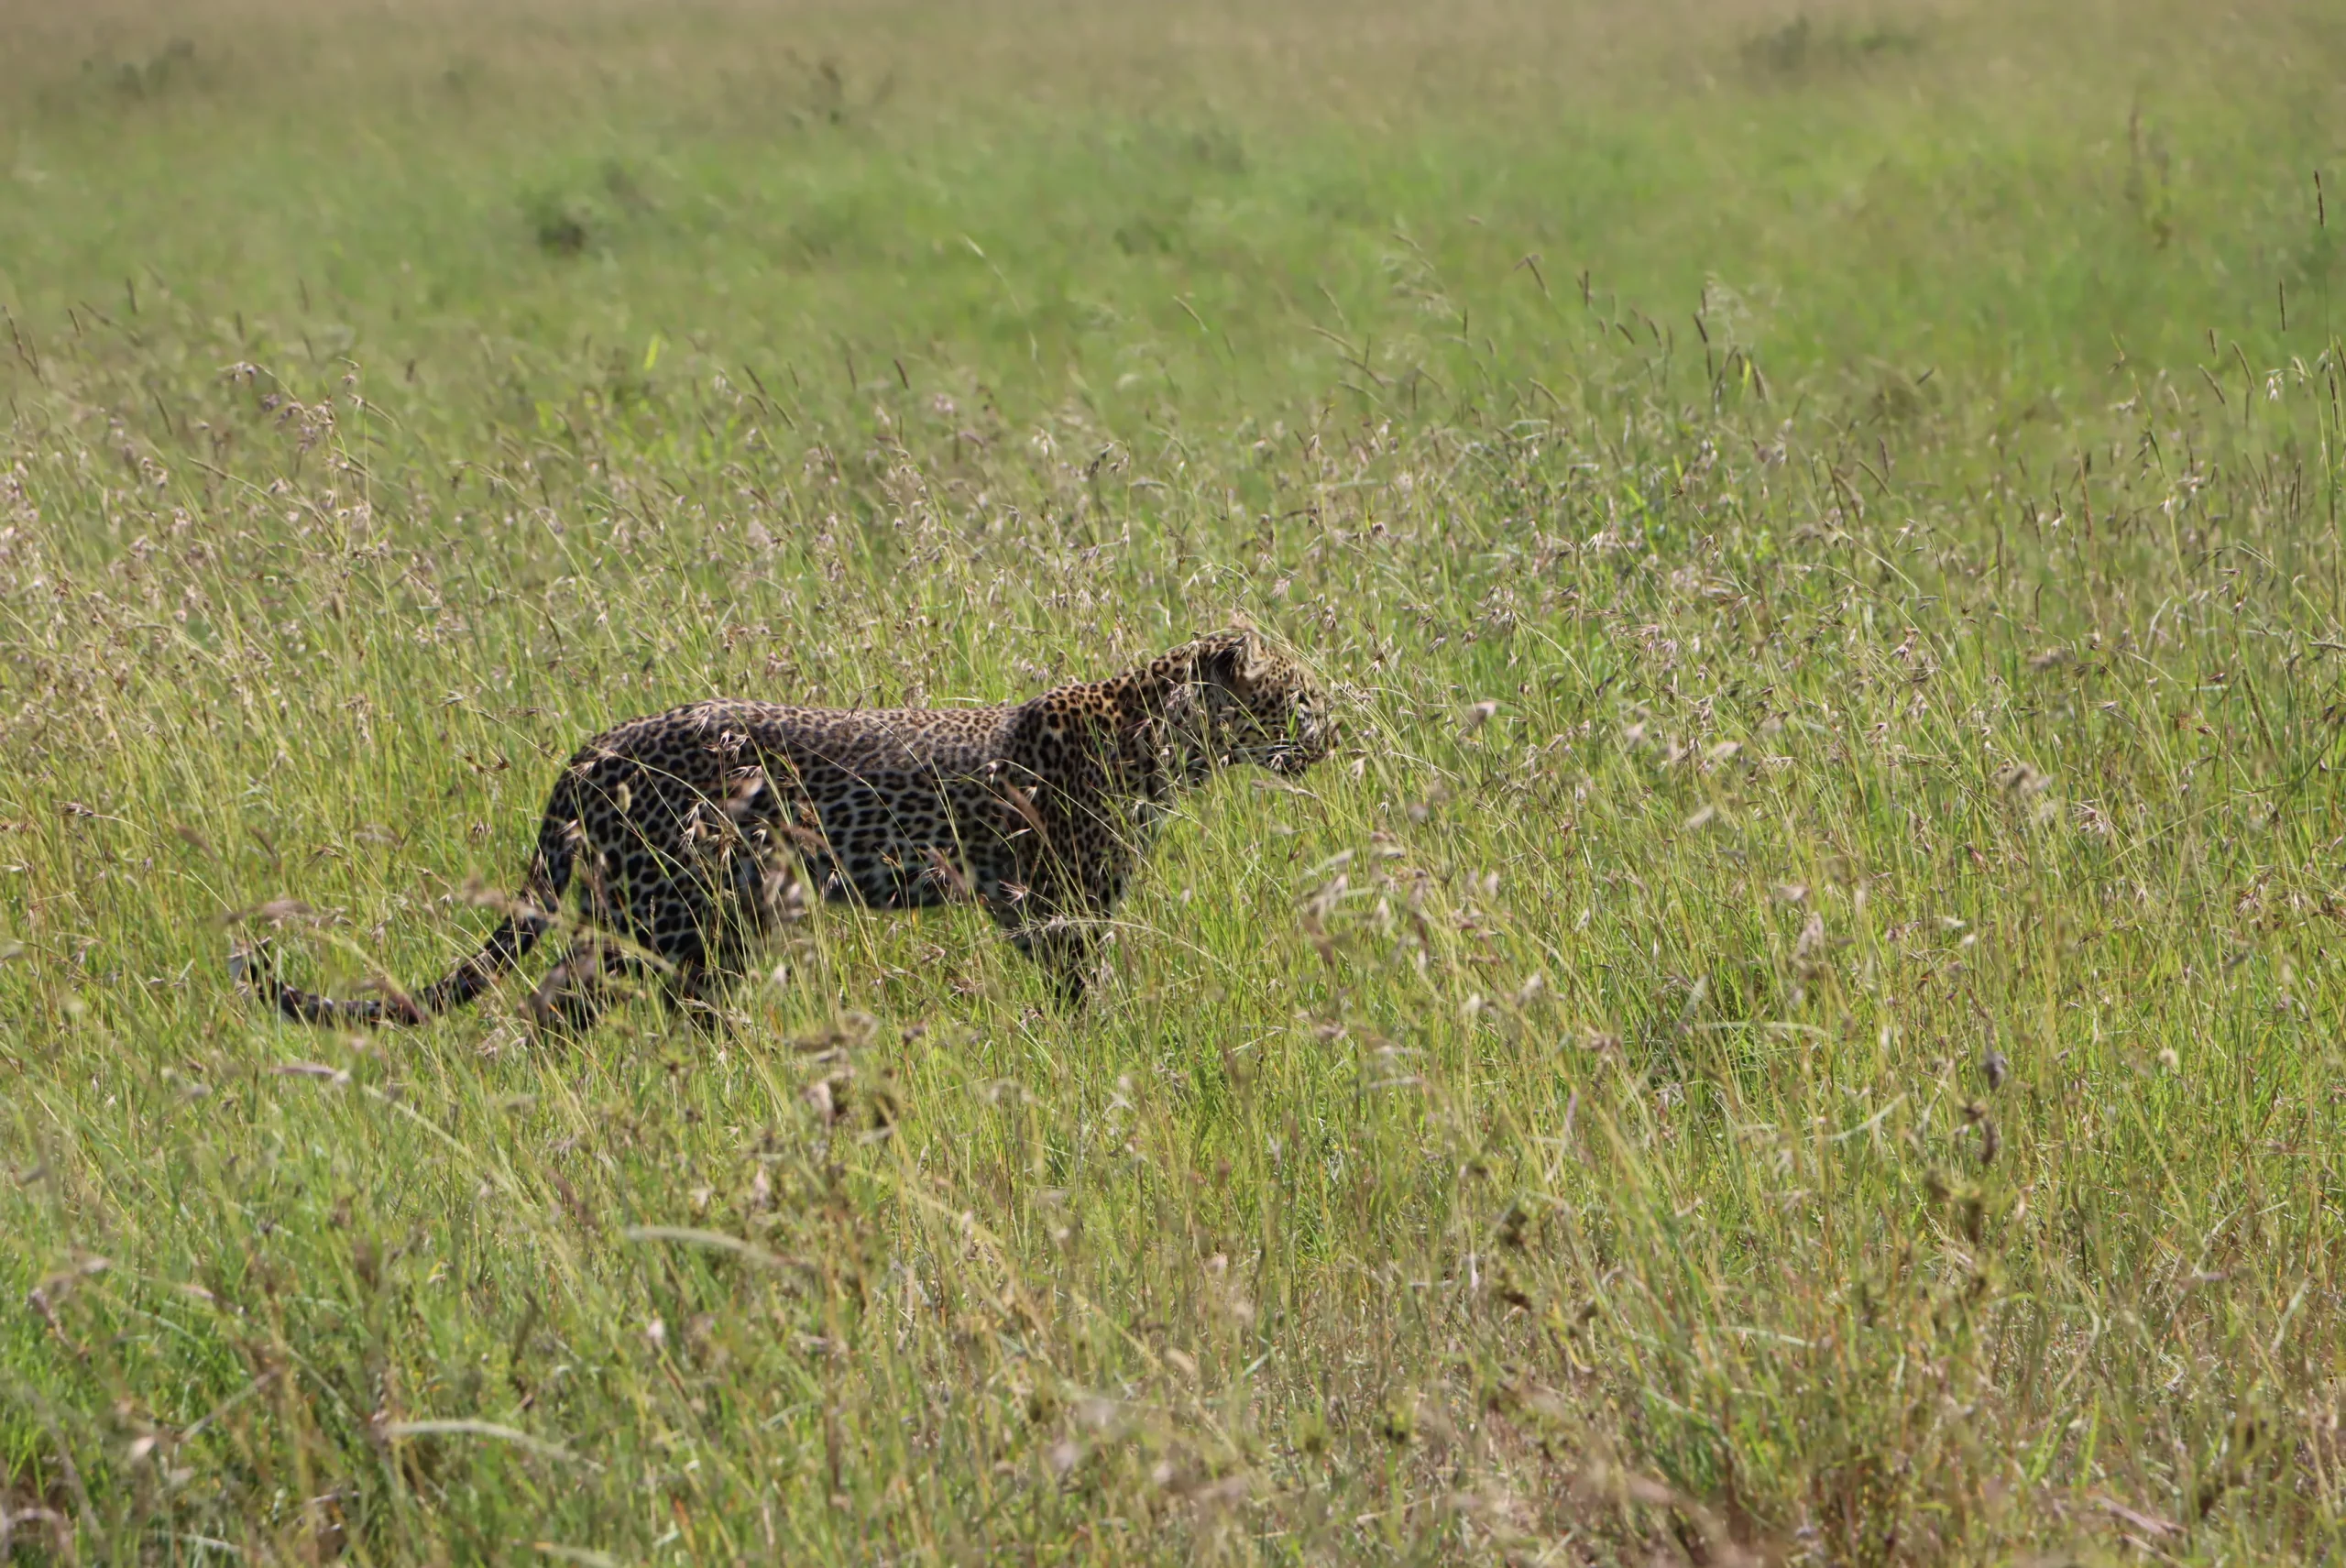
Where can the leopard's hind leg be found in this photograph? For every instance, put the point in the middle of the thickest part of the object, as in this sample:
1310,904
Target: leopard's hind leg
733,945
576,991
756,890
1065,947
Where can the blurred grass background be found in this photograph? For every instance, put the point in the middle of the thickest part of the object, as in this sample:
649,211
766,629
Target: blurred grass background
1157,213
1801,1029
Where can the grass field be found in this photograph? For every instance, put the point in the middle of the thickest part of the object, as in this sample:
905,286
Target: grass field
1800,1026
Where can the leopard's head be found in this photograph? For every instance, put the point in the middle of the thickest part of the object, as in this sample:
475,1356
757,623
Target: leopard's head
1233,698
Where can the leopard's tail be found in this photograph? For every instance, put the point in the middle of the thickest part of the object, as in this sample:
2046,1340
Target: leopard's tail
530,915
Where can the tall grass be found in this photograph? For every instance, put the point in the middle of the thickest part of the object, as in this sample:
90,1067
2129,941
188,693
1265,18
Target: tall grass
1799,1028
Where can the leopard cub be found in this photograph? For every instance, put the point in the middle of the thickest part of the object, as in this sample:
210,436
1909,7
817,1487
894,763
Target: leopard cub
692,832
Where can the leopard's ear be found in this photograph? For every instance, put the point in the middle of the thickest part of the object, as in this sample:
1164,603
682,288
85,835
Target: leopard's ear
1228,658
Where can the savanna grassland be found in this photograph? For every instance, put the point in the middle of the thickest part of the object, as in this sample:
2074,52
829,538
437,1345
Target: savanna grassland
1801,1024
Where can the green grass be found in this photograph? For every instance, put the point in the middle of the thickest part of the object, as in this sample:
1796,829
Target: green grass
1800,1026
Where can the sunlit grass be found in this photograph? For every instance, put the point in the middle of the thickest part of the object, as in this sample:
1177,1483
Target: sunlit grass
1799,1026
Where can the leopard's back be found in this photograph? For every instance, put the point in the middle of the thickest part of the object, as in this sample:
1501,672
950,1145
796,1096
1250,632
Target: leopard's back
891,807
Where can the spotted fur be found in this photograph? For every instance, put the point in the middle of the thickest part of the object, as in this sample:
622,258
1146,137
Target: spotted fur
696,831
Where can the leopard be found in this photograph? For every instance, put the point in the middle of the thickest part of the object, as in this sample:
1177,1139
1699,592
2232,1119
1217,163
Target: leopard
696,834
